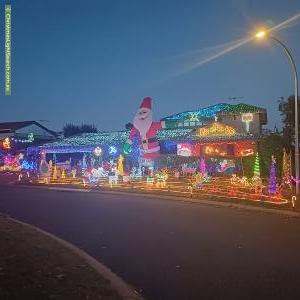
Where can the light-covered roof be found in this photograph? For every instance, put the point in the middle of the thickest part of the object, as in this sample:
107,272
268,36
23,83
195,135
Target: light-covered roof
213,110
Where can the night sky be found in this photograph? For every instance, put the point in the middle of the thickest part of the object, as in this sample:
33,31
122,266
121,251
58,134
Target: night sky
93,61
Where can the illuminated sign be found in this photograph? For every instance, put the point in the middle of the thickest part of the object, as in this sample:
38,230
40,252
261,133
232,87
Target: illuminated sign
248,117
216,129
247,152
184,149
215,150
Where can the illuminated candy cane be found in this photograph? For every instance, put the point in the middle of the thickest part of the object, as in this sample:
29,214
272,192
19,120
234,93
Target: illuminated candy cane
294,198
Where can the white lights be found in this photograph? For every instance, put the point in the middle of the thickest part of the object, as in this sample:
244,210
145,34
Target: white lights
97,151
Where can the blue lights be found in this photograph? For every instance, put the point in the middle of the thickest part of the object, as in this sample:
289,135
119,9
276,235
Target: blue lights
207,112
28,165
112,150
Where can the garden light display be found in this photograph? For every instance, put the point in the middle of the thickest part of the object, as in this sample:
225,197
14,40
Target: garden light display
112,150
202,165
286,166
256,169
120,167
73,172
127,148
199,152
84,165
54,174
28,165
97,151
184,149
272,178
6,144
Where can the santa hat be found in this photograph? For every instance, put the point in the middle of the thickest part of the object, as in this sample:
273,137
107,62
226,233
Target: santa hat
146,103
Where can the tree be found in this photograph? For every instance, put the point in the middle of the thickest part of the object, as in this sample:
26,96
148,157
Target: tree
268,145
88,128
287,112
128,126
271,145
71,129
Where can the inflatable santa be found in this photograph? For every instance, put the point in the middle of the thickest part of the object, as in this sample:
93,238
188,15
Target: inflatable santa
145,129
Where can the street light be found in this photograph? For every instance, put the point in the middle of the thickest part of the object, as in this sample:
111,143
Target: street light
260,35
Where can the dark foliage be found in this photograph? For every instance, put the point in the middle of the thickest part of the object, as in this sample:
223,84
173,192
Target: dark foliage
287,111
269,145
71,129
129,126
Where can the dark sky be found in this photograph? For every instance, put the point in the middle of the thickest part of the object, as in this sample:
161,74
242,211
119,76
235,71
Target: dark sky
93,61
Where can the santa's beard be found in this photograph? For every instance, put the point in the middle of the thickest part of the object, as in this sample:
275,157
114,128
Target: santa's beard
142,125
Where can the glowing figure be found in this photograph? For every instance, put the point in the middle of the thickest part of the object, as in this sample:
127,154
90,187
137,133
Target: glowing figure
120,166
6,143
112,150
97,151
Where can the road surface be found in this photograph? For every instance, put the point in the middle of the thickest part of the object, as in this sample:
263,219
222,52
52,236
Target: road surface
170,249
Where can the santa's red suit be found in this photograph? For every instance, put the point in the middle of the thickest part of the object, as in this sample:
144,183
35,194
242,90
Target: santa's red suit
146,129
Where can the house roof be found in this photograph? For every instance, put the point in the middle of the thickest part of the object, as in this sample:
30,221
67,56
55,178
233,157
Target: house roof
86,141
213,110
8,127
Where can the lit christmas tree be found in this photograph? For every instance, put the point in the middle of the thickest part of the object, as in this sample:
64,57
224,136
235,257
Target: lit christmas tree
203,166
272,178
256,169
84,164
290,165
284,164
120,166
54,175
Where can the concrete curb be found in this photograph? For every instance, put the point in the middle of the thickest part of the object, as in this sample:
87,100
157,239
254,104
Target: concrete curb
217,203
208,202
118,284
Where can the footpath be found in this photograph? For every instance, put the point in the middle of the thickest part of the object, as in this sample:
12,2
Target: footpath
35,266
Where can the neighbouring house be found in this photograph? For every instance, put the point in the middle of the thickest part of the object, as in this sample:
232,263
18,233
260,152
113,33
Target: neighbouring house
18,136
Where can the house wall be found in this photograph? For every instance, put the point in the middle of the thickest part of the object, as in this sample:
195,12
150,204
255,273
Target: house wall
235,121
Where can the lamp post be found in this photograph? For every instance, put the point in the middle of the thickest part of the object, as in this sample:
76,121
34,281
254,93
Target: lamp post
260,35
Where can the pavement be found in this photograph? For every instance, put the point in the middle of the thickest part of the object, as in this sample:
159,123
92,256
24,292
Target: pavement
171,249
37,265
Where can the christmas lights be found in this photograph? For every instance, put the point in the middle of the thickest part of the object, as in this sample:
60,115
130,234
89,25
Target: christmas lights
6,143
256,169
216,129
272,178
30,139
97,151
86,142
112,150
212,111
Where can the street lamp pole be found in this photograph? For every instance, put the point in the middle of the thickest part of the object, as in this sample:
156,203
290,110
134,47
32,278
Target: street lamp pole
260,35
295,74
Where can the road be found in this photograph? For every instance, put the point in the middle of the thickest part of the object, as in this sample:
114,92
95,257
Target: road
170,249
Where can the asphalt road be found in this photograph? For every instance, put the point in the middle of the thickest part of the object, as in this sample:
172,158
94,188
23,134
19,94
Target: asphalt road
169,249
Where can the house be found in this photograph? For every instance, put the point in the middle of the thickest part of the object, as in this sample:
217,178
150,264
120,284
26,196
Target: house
20,135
